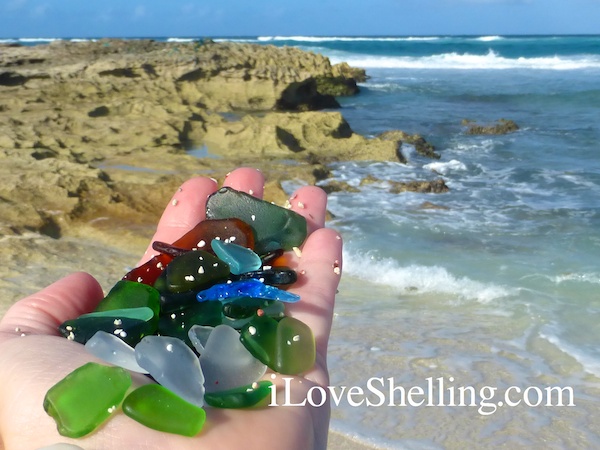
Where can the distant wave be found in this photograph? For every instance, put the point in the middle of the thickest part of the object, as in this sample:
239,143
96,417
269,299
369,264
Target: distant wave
467,61
346,38
489,38
418,279
176,39
39,39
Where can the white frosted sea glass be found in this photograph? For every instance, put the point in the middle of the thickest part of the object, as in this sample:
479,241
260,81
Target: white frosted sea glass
113,350
174,365
226,363
198,335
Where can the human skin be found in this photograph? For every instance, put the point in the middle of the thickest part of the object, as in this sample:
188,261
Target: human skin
34,357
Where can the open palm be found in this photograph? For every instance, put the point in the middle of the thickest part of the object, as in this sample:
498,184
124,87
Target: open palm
33,357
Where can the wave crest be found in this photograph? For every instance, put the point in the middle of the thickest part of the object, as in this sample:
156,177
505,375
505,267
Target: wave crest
418,279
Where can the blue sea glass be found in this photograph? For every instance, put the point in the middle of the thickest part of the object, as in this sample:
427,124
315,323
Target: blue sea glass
226,292
240,259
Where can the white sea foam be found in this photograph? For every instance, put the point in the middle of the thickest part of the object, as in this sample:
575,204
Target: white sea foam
489,38
468,61
347,38
445,167
419,279
177,39
593,278
33,40
590,363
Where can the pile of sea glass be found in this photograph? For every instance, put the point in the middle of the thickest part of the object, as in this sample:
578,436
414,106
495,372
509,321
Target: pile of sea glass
204,318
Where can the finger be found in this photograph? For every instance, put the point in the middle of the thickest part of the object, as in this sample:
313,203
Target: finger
44,311
186,208
310,202
319,271
245,179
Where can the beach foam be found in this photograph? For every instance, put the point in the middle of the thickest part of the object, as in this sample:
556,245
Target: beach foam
468,61
417,279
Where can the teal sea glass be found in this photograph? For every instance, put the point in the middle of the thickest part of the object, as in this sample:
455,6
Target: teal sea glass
240,259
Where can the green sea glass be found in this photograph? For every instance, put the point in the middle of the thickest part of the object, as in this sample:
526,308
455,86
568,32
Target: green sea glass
86,397
296,350
158,408
274,227
258,336
286,346
240,397
195,270
130,294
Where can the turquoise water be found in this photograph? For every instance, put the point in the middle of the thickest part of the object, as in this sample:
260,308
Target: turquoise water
499,285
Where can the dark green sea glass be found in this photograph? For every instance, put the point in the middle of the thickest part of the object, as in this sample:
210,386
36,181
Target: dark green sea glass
130,294
129,330
169,301
158,408
86,397
274,276
274,227
239,312
177,324
241,397
195,270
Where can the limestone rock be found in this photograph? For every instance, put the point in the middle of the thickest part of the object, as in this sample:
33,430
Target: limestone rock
502,126
421,145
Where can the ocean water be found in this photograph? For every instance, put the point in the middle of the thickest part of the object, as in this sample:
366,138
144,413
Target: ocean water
498,286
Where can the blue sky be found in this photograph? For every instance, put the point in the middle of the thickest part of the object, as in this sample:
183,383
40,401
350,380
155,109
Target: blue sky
126,18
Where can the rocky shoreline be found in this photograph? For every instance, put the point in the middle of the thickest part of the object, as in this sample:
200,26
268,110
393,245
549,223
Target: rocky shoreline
96,136
103,129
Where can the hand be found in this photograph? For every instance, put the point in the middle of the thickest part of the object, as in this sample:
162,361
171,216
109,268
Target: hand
33,357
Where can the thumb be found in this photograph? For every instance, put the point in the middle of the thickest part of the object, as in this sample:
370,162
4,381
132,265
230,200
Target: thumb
44,311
